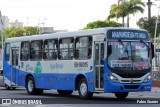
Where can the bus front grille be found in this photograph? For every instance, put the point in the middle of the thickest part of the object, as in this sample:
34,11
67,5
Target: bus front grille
131,86
131,81
131,75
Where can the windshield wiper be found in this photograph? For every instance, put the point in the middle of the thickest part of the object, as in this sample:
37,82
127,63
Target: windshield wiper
144,44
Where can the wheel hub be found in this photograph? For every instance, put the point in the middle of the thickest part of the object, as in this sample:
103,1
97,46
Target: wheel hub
30,85
83,89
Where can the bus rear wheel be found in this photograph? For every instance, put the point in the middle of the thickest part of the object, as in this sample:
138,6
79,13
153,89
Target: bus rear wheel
64,92
83,89
121,95
30,86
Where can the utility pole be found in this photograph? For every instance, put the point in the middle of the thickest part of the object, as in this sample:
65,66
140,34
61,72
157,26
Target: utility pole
149,3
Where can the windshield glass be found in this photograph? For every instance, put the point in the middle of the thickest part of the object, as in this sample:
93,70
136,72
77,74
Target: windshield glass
128,55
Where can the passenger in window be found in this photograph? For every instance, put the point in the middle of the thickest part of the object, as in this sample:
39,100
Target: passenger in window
44,56
113,54
54,55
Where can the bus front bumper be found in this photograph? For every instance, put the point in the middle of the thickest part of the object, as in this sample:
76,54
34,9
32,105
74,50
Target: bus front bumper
121,87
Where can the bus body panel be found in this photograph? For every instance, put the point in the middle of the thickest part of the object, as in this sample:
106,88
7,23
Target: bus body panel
62,74
50,80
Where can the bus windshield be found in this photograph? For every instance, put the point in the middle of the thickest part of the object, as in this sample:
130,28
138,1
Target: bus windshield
128,55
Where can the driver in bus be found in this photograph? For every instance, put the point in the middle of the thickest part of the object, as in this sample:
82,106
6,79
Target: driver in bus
113,54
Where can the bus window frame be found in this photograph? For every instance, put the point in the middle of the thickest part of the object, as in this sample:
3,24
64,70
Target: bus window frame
88,47
59,50
6,52
28,51
54,50
42,45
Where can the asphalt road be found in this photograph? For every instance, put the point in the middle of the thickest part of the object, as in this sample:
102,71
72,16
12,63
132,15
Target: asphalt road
51,98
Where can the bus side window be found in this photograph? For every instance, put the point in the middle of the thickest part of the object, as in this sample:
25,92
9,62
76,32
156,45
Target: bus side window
7,52
50,49
77,48
25,49
83,48
36,50
55,52
45,52
66,48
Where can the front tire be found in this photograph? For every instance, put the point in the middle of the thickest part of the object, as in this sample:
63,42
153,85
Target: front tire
121,95
83,89
30,86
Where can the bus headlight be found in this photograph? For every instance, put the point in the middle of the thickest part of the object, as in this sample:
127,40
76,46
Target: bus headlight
149,77
112,77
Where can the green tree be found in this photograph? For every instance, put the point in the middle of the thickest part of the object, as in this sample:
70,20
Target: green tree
17,32
134,6
7,31
29,30
100,23
118,11
125,9
144,23
12,32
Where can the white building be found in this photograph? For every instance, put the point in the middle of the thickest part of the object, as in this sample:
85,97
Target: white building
5,21
16,24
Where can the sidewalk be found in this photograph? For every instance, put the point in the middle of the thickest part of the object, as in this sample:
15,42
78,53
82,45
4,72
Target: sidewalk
156,90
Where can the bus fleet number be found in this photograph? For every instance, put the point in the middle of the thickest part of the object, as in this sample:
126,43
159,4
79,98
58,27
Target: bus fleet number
80,64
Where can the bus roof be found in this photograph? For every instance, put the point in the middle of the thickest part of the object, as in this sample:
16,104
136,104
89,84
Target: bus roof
65,34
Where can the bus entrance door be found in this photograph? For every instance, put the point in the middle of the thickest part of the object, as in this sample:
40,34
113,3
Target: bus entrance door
99,66
14,66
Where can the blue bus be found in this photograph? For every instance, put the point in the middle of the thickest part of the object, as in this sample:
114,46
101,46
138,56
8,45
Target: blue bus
104,60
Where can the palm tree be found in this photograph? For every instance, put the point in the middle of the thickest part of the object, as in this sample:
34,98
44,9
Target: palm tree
118,11
134,6
125,9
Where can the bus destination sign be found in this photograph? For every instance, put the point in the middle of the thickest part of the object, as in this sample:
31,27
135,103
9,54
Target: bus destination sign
127,34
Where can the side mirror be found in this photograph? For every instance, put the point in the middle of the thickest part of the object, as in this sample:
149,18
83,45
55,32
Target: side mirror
152,50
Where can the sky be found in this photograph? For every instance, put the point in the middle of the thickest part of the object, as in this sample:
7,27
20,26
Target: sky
68,15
